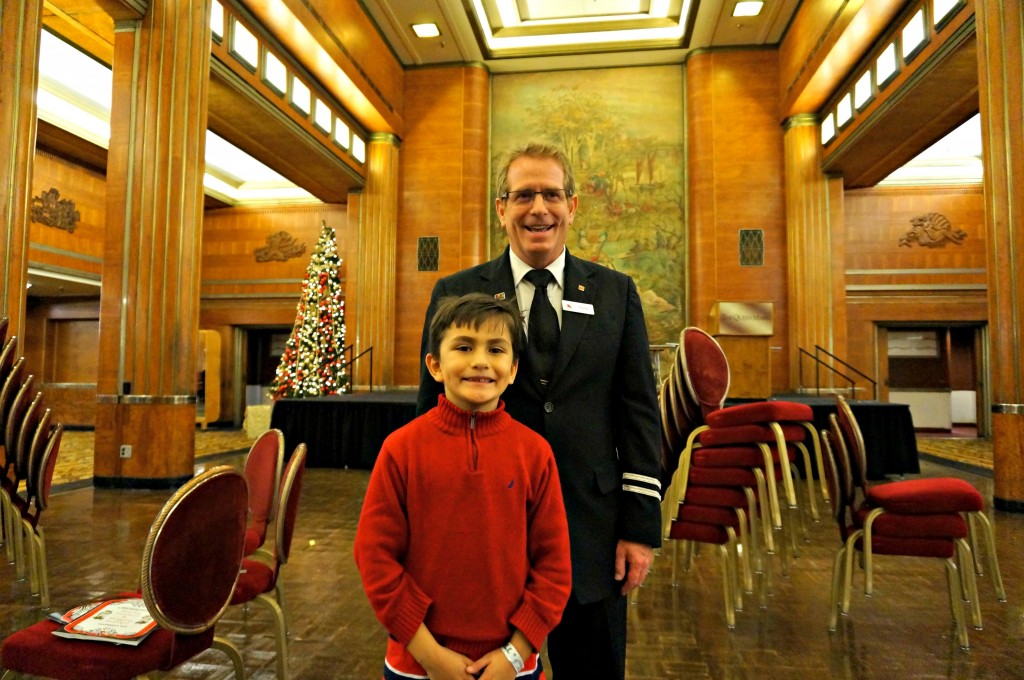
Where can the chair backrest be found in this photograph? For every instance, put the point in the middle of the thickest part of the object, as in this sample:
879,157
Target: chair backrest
837,466
10,387
288,506
856,452
43,463
191,559
705,370
23,434
7,354
12,428
263,473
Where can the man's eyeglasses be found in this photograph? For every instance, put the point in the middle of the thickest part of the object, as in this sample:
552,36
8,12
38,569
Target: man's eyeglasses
525,197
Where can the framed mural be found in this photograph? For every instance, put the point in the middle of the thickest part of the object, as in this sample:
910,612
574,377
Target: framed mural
623,131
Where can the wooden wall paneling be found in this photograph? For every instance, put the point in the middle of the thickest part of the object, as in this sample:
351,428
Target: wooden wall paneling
736,182
837,234
20,21
824,41
80,250
354,63
867,311
377,243
444,192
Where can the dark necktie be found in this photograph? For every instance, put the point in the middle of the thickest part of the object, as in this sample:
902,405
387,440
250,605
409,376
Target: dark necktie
542,329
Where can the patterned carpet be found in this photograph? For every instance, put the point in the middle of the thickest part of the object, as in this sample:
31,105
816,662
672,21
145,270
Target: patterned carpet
74,462
972,452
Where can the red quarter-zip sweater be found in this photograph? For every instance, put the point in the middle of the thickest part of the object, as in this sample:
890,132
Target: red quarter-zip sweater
463,529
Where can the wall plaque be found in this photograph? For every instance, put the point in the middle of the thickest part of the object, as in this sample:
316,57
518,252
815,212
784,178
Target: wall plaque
50,209
742,318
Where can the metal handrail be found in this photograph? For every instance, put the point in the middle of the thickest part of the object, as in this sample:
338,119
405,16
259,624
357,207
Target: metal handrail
818,363
874,383
351,374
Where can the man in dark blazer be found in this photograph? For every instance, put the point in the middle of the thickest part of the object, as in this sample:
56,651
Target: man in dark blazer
598,407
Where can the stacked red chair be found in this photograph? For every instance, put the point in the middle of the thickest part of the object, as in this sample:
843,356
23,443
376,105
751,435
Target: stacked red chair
263,466
261,576
763,435
937,533
190,565
710,504
917,496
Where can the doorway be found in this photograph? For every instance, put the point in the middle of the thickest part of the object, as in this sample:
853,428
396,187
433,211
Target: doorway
940,370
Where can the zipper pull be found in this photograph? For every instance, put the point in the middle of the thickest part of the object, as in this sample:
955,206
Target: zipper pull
472,420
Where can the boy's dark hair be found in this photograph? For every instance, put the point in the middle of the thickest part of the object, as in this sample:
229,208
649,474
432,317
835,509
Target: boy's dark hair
472,310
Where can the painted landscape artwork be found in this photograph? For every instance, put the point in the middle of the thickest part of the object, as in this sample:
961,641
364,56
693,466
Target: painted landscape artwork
623,131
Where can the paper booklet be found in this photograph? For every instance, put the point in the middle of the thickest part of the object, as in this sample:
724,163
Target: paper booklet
123,621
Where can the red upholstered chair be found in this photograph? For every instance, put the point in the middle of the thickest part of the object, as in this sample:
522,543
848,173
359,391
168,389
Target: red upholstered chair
43,451
190,565
263,473
917,496
939,534
14,471
712,516
260,580
775,429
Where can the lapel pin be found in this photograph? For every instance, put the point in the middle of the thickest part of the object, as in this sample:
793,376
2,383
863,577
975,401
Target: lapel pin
499,296
582,287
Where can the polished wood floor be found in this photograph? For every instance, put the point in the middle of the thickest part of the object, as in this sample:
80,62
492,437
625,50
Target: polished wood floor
95,542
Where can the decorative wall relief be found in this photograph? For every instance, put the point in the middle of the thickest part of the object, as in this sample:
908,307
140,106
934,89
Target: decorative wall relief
622,129
280,247
932,230
53,211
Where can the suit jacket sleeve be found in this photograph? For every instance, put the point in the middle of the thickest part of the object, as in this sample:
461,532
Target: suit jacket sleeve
638,431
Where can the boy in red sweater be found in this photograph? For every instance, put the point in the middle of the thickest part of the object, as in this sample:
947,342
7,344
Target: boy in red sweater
462,544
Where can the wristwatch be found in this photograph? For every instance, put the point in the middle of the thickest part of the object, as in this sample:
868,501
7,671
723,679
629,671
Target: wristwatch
512,654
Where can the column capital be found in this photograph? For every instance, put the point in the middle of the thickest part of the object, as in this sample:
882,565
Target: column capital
385,138
800,120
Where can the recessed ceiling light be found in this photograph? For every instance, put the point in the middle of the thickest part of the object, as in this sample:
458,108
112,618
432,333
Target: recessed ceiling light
426,30
747,8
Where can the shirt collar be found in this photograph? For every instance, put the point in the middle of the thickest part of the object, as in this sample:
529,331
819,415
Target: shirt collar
520,268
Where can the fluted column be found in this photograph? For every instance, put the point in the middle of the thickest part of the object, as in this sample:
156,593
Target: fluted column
808,241
1000,27
149,306
376,266
20,21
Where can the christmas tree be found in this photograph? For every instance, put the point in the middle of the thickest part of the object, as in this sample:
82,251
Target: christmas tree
313,363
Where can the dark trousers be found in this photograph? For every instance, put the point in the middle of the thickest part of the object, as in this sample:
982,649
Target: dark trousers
590,641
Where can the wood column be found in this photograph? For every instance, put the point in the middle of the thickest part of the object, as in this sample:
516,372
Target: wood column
20,22
375,279
149,305
1000,27
808,242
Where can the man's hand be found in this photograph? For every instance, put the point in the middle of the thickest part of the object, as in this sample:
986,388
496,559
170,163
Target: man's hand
632,562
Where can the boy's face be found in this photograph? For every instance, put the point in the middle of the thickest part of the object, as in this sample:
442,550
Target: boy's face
475,365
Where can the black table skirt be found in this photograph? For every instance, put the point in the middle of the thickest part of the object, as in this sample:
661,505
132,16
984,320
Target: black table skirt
888,431
344,431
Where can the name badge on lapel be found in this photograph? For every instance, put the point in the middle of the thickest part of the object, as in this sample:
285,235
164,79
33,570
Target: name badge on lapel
578,307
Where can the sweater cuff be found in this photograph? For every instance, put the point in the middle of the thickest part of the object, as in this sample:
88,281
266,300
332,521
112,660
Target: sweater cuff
526,621
410,616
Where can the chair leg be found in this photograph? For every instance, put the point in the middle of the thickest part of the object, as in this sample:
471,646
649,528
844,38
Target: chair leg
40,564
836,596
851,548
232,652
990,550
955,603
730,614
811,501
813,436
744,550
280,634
969,581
